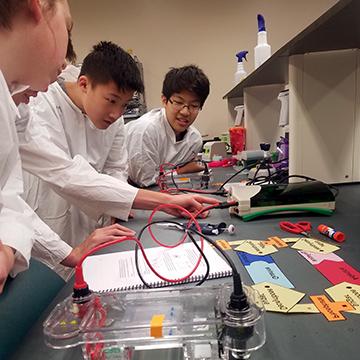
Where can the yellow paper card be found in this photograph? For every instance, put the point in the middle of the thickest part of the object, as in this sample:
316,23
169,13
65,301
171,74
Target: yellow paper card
277,298
346,292
304,308
256,247
331,310
236,242
315,246
223,244
291,240
276,241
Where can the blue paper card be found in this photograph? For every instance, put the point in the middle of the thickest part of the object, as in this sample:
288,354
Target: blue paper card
264,269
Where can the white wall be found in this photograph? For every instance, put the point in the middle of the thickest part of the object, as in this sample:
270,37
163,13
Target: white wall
167,33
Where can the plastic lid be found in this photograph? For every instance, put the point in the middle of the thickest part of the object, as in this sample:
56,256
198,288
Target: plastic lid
261,23
241,55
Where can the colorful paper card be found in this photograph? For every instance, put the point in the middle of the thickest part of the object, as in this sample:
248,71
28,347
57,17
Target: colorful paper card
223,244
277,298
346,292
315,246
264,269
256,247
331,310
291,240
304,309
333,267
276,241
236,242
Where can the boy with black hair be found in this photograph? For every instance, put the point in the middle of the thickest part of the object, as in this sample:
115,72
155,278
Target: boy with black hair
166,135
74,142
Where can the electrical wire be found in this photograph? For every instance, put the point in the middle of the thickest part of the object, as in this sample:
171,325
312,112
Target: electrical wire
178,281
237,173
238,289
333,188
238,296
191,190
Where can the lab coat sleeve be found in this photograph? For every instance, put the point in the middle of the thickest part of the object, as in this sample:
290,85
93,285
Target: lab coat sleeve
144,158
17,219
116,164
24,231
44,153
16,229
48,247
30,236
16,232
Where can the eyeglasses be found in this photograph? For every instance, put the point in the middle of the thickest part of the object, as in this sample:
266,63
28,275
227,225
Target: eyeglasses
178,106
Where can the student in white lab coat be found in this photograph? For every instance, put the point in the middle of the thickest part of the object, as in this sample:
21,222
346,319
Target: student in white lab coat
74,142
33,41
166,135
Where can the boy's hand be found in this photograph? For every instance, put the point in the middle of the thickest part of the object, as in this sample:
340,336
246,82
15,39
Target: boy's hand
191,167
97,237
192,203
7,259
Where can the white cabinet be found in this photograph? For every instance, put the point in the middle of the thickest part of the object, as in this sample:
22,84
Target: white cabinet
324,115
262,110
321,68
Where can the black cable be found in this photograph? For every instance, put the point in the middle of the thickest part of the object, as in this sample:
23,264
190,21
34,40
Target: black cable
256,172
237,173
307,178
204,257
176,185
264,179
238,298
214,192
279,161
164,283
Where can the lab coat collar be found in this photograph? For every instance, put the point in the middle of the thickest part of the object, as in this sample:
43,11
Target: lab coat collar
67,98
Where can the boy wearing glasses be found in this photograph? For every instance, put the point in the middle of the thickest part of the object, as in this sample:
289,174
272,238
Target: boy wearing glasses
166,135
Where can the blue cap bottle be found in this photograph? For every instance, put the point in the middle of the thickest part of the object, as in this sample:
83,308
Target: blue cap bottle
240,71
262,50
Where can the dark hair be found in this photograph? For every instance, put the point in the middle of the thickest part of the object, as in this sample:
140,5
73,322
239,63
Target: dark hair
189,78
8,9
109,62
70,52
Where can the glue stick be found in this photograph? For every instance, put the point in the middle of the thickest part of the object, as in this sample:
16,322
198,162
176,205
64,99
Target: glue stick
331,233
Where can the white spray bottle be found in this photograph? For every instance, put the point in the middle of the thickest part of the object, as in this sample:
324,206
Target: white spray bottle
239,115
240,71
262,50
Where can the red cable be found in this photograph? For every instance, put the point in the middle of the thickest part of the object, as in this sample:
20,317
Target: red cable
183,238
79,279
192,190
191,216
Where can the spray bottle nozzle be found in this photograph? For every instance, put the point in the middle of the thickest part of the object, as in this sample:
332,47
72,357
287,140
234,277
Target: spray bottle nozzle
241,55
261,23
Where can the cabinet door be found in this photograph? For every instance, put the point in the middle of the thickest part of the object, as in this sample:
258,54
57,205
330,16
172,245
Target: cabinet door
322,108
262,113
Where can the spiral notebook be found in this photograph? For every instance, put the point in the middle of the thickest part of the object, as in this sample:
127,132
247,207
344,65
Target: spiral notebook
117,271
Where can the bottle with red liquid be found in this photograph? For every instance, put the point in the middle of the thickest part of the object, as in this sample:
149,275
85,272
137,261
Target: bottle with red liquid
238,132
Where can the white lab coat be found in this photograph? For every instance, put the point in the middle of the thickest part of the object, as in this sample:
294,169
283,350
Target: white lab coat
151,141
83,170
20,227
70,73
